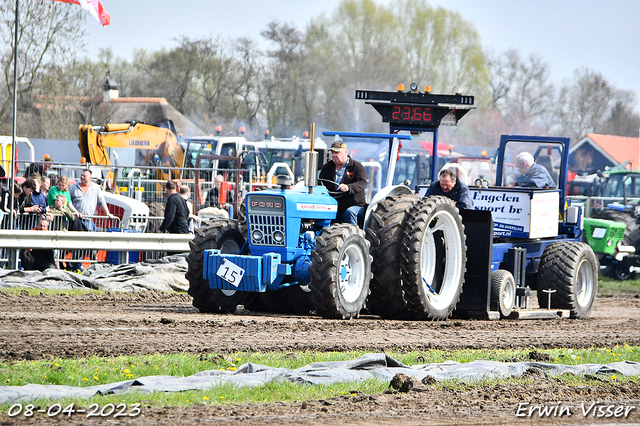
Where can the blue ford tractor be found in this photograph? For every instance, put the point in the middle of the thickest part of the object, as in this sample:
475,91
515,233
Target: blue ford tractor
290,258
415,257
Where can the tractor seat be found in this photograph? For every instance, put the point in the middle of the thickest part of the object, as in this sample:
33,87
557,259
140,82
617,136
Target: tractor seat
547,162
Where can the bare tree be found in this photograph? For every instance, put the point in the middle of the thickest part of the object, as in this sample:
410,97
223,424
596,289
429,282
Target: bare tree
623,120
519,88
584,103
503,70
440,48
286,82
353,49
48,32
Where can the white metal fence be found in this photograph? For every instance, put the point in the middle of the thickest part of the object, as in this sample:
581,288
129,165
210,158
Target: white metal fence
87,247
137,183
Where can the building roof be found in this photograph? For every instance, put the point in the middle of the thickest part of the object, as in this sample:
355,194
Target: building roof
120,110
146,110
616,148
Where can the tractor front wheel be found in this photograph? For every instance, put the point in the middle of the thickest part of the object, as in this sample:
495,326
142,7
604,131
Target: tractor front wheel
225,236
340,271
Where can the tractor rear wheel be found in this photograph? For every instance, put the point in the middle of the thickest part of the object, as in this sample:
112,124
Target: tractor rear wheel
503,292
223,235
385,233
340,271
571,269
242,217
434,259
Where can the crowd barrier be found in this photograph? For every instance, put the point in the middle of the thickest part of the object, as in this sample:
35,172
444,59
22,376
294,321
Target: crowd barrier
135,183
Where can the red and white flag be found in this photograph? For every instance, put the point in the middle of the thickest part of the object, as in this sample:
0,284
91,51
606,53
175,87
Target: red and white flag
94,7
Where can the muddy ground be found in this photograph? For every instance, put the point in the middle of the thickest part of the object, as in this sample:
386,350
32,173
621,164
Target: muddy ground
37,327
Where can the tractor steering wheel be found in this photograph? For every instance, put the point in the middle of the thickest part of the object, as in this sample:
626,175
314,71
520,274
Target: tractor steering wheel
333,193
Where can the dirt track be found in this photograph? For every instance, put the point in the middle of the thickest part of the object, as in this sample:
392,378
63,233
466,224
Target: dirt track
35,327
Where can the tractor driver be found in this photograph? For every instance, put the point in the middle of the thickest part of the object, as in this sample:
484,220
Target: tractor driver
450,186
348,178
532,175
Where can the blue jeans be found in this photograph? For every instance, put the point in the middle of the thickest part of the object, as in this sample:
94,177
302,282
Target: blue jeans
353,214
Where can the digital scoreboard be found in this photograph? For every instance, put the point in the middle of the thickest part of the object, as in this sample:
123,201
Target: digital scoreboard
417,110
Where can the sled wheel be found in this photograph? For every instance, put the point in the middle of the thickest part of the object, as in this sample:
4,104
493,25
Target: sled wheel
225,236
503,292
571,269
340,271
434,259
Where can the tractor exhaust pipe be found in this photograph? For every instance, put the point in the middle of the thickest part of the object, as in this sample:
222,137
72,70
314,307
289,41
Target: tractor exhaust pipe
311,163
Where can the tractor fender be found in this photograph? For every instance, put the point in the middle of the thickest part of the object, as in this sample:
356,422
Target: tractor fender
381,196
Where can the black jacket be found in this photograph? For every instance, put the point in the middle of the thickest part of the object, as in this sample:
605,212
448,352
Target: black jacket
355,177
176,214
213,198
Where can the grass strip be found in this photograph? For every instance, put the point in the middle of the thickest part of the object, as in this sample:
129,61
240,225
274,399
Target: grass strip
95,370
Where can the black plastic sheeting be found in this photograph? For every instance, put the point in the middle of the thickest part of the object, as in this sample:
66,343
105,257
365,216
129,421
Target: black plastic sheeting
166,274
366,367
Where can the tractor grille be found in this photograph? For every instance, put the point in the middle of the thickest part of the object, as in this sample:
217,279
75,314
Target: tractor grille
617,234
267,225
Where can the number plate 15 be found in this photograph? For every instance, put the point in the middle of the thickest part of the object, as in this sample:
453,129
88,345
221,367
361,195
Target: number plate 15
230,272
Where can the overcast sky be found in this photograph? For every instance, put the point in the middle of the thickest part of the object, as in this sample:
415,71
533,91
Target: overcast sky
603,35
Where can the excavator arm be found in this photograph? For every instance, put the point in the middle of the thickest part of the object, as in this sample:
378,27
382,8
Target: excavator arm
156,144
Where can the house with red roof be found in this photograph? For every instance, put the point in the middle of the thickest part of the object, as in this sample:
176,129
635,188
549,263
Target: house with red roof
595,152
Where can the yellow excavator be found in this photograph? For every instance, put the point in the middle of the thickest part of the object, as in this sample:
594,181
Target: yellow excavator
154,144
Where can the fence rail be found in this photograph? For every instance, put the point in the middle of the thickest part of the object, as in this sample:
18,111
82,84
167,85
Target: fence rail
111,241
76,250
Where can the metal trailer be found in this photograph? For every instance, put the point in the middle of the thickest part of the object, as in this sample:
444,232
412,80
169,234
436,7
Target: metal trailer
416,257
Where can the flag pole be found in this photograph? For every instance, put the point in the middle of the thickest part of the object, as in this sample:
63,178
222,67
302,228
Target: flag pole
11,175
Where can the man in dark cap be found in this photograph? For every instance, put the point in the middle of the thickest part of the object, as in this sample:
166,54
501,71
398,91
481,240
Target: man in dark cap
347,179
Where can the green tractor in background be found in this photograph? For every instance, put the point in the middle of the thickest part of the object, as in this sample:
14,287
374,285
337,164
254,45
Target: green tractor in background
613,230
606,239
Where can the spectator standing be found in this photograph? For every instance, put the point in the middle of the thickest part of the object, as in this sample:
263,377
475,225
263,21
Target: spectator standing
45,185
194,221
61,187
450,186
348,178
86,196
62,210
32,202
5,204
176,212
40,168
